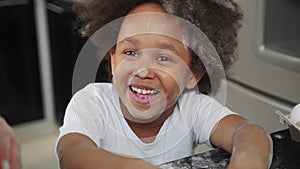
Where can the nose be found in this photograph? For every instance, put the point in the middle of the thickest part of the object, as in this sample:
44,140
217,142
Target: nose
145,65
144,73
141,72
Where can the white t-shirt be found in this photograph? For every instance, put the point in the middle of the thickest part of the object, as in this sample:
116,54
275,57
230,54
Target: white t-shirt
95,112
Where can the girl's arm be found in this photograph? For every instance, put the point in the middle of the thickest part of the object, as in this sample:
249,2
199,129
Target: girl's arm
250,145
80,152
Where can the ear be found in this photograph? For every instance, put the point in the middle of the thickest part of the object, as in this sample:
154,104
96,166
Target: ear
194,79
112,53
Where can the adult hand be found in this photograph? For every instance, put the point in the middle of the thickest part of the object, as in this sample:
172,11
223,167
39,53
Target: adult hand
10,157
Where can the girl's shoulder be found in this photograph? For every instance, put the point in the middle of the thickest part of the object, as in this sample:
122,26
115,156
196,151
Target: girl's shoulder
95,92
192,96
193,101
96,88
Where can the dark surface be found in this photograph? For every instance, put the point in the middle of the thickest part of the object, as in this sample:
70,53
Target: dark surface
213,159
286,156
66,45
286,151
20,86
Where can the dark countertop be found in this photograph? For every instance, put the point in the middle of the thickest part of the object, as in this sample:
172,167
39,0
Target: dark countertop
285,151
213,159
285,156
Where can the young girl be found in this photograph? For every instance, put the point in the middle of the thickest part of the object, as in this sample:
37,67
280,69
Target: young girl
152,113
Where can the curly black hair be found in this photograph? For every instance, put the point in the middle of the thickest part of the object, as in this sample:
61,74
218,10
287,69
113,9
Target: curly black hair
219,20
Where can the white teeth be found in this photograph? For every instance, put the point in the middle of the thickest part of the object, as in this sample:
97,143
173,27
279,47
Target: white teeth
143,91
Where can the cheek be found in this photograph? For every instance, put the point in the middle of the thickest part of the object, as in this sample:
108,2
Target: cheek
122,71
179,76
171,83
172,89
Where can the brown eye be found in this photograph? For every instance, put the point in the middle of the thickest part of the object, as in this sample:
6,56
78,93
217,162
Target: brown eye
131,53
164,58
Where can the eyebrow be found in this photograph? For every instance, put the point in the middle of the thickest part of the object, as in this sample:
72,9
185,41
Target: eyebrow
130,40
162,45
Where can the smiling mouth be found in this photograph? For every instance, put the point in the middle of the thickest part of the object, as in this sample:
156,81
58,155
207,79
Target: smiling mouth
143,95
143,91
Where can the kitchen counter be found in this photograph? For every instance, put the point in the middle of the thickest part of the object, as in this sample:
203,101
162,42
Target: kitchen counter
213,159
286,156
286,151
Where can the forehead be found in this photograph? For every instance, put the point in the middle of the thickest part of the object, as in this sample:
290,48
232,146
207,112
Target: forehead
148,7
150,18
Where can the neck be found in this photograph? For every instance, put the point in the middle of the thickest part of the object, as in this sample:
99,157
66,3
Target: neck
148,131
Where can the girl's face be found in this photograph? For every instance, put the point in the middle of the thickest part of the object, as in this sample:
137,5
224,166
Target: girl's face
150,66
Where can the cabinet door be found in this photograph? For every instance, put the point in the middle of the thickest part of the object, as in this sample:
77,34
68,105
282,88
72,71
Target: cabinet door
20,90
65,44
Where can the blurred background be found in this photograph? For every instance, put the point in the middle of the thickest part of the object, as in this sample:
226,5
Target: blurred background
39,47
38,50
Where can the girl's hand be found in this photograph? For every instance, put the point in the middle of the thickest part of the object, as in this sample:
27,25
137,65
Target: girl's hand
252,148
250,145
79,151
10,156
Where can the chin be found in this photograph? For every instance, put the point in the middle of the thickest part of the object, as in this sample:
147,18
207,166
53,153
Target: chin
144,116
